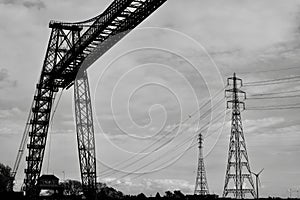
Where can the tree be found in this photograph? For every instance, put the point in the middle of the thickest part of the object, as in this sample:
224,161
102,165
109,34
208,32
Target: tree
169,194
105,192
141,196
157,195
72,187
178,194
4,177
100,186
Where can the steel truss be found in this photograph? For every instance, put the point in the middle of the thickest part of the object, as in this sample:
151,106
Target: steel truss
85,135
60,42
201,186
238,180
68,51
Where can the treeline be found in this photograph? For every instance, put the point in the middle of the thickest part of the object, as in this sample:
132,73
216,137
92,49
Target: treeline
72,190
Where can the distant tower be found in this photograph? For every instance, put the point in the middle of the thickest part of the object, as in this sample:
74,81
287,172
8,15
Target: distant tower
201,187
238,180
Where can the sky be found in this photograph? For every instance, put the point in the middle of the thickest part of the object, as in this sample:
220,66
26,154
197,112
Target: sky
156,77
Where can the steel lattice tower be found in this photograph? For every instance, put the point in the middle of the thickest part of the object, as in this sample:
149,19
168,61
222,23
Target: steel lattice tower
85,135
201,186
238,180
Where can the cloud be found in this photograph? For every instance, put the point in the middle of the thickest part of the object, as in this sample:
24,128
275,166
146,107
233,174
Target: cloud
261,125
239,36
10,113
151,186
5,81
271,126
11,121
3,74
169,184
247,24
292,130
34,4
8,1
28,3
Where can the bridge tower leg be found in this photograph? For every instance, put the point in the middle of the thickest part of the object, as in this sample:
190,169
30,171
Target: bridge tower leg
40,114
85,135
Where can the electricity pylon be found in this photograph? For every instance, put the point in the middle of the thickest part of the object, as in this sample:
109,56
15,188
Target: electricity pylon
201,186
238,180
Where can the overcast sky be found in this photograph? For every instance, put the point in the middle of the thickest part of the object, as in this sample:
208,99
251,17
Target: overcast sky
154,78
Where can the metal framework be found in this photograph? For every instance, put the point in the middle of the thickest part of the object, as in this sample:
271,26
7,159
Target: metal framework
238,180
60,42
201,186
73,46
85,135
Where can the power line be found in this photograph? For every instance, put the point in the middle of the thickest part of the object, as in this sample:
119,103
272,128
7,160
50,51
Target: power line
167,142
273,81
273,108
274,93
168,133
174,149
280,105
274,97
266,71
170,157
276,107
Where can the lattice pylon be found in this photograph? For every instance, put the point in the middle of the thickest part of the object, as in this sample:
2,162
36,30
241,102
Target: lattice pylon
238,179
201,186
